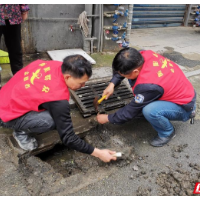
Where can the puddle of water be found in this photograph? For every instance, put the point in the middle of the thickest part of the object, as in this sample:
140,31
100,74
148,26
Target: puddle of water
179,58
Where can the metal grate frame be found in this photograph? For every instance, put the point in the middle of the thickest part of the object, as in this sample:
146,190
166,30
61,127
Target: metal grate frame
84,97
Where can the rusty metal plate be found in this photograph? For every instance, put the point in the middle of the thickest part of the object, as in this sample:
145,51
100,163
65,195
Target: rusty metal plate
84,96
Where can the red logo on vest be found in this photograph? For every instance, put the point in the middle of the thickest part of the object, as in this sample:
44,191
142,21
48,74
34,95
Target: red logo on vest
197,188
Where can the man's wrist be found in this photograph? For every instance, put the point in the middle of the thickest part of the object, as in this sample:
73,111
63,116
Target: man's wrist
95,153
111,84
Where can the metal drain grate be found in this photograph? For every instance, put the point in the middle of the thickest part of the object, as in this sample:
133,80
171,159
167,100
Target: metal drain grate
84,97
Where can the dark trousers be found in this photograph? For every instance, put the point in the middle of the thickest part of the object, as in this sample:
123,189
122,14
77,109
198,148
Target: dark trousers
31,122
12,35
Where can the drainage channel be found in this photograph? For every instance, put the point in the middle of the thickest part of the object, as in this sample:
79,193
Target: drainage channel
69,162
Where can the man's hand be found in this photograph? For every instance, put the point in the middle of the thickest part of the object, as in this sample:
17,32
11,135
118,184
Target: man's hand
24,16
105,155
109,90
102,118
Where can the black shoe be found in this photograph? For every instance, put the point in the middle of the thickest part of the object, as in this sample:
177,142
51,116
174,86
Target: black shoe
160,141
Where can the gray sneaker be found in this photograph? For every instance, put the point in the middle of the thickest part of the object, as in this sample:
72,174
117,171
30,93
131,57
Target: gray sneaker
160,141
25,141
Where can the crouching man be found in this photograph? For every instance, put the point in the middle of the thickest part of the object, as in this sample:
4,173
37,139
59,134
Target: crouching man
161,92
36,100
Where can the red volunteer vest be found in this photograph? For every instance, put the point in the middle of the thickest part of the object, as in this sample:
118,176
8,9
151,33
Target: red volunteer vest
165,73
39,82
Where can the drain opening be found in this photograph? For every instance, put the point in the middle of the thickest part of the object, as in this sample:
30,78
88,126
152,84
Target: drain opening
84,97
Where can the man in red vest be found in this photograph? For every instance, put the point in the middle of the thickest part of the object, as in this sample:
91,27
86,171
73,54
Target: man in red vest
161,92
36,100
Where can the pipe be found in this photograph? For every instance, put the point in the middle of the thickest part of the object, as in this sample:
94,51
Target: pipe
99,36
109,38
187,16
111,28
129,22
102,22
52,19
88,9
86,43
108,14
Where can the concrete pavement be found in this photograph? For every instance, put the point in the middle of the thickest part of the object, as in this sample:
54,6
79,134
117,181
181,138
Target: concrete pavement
170,170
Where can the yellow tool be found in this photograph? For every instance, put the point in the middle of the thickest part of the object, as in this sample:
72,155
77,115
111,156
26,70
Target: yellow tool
102,98
96,102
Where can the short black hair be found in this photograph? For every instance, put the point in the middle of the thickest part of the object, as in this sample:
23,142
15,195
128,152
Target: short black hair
127,60
77,66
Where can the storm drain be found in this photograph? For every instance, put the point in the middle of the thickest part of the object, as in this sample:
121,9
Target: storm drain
84,97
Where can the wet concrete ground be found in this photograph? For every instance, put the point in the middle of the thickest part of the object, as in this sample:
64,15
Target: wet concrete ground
170,170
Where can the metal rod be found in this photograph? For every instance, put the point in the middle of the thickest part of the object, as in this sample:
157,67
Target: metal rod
92,15
99,36
129,21
102,22
52,19
187,16
110,28
86,43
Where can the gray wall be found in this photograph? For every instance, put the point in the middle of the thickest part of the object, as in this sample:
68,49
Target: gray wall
48,28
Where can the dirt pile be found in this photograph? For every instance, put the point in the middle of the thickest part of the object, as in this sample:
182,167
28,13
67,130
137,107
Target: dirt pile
178,182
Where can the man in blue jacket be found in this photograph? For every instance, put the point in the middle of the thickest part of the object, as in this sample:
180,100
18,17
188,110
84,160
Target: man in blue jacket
161,92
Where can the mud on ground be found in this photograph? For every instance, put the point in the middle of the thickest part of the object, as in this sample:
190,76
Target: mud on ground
171,170
70,162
